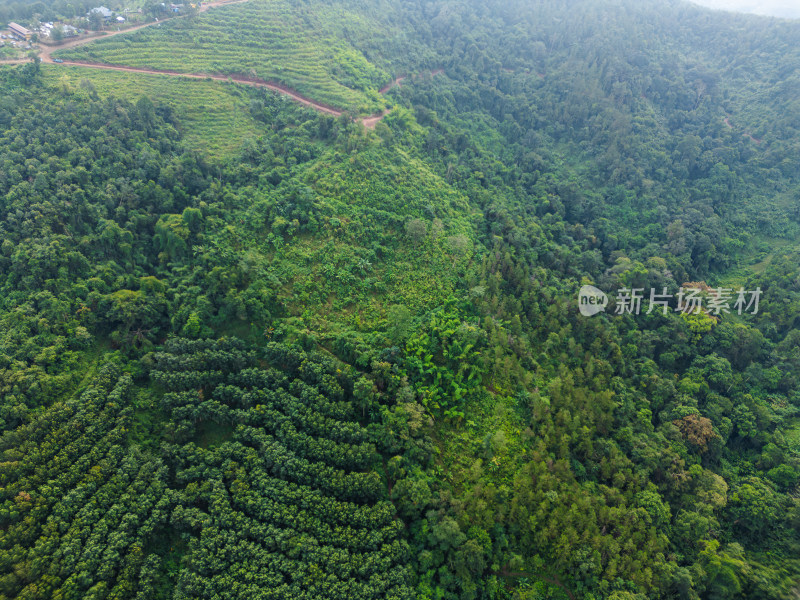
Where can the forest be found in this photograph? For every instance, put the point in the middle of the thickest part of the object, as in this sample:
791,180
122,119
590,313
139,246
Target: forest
249,349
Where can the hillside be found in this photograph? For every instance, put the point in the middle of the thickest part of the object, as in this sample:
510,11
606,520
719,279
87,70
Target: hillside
301,47
252,349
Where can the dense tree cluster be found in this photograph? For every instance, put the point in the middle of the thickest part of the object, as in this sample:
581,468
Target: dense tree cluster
80,508
298,513
419,410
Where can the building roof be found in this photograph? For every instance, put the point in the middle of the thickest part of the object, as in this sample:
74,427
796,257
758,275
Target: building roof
104,12
19,28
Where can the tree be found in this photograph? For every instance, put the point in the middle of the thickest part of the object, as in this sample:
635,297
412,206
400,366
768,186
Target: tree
96,20
697,430
416,230
193,326
146,109
722,571
754,508
784,476
399,323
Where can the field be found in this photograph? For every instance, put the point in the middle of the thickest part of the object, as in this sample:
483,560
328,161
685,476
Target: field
272,40
259,342
10,52
272,461
213,117
287,484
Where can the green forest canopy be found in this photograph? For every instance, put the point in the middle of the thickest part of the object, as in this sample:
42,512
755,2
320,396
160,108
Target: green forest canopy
321,361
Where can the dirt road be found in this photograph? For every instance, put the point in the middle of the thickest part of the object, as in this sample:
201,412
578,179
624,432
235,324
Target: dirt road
235,78
390,85
46,51
754,139
369,122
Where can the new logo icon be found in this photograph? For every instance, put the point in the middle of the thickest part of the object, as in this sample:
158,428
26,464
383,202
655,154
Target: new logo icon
591,300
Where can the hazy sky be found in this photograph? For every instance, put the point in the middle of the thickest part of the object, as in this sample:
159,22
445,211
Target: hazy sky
775,8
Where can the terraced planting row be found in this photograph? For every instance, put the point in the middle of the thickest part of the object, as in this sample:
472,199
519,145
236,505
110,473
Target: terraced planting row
273,40
283,503
77,508
214,118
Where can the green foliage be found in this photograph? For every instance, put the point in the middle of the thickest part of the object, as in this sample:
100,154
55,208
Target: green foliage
443,360
292,476
281,41
79,508
212,118
420,410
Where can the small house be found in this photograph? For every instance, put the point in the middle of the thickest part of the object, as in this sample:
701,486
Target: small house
19,31
102,11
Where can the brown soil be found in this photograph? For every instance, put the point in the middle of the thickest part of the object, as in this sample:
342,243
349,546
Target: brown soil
46,50
236,78
389,86
728,123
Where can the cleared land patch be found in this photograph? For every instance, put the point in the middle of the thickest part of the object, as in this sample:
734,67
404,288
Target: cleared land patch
271,40
214,117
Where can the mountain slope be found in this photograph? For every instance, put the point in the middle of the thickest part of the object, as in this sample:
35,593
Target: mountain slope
407,299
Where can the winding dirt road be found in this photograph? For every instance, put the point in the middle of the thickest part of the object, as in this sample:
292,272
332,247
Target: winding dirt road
46,51
225,78
728,123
